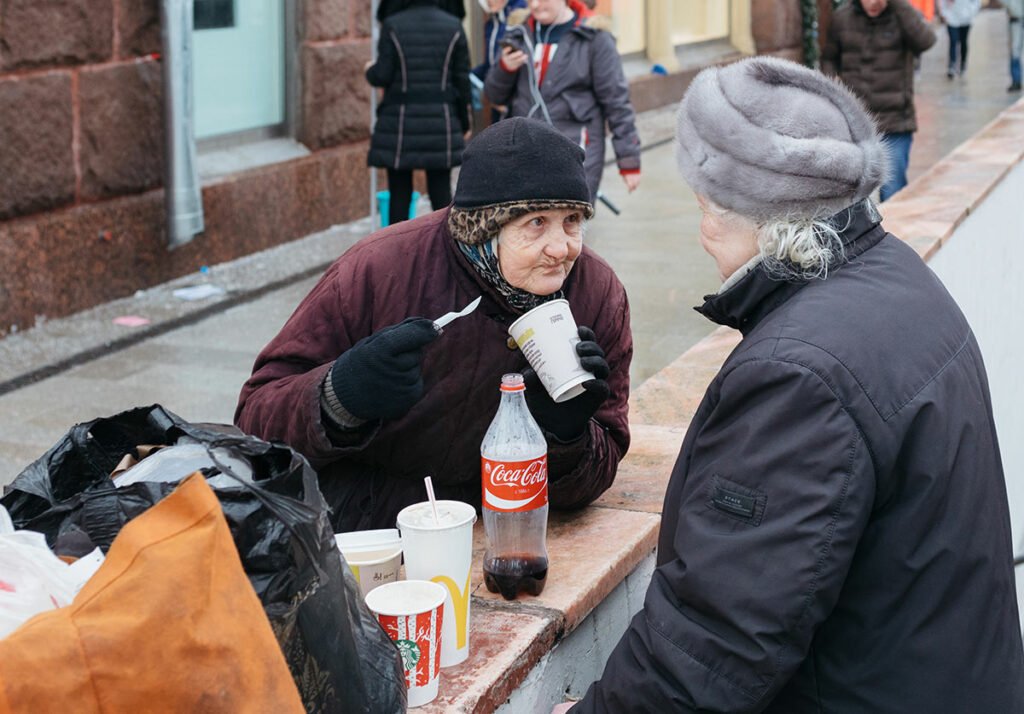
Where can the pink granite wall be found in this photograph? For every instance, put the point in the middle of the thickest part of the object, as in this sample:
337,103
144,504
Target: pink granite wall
776,26
81,204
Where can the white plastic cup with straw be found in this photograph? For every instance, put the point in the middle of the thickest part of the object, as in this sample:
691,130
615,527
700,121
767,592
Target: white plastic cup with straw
437,539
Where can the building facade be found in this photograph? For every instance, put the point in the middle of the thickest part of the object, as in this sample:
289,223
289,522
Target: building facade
282,116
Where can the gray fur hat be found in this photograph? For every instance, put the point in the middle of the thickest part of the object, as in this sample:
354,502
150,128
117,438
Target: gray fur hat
766,137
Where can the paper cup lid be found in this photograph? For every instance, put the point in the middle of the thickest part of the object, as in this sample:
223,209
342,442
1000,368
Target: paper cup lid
420,517
406,597
355,541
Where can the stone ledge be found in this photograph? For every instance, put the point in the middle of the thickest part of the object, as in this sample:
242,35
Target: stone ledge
929,209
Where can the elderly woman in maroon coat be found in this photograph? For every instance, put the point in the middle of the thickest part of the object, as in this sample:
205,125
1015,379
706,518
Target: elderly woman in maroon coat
377,399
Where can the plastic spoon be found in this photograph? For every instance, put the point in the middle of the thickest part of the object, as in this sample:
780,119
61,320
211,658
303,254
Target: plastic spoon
449,316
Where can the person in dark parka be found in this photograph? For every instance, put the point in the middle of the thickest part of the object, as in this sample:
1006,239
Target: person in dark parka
361,383
835,533
423,117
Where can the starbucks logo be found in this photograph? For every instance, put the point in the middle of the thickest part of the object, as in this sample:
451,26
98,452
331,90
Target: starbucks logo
410,652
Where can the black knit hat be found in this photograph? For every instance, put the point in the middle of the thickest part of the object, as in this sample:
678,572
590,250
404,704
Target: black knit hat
520,159
514,167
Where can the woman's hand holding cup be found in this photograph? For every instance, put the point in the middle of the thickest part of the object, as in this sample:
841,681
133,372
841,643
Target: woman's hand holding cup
567,421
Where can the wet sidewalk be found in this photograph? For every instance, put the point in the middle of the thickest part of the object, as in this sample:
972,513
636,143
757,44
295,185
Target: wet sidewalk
193,356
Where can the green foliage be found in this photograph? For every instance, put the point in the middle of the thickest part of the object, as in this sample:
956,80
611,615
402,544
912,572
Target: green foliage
809,20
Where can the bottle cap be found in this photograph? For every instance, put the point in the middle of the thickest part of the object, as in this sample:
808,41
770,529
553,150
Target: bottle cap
512,382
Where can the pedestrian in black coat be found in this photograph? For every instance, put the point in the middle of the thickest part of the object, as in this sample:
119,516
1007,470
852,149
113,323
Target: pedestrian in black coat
835,536
423,117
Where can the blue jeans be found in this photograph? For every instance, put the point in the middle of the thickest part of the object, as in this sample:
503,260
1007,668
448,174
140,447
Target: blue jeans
898,147
957,41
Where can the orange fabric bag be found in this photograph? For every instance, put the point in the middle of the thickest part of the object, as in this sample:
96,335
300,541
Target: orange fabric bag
169,623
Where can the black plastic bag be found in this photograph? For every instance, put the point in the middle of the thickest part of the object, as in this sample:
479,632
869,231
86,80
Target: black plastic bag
340,658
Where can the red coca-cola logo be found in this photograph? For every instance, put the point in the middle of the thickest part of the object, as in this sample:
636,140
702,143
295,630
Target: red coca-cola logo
536,472
515,485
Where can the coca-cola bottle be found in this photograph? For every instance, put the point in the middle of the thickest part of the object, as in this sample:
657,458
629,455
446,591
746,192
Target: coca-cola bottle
514,466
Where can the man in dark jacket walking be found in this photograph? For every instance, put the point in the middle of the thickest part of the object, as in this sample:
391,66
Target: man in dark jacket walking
871,45
835,534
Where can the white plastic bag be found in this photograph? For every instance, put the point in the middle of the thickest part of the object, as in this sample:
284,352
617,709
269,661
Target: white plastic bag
173,463
32,578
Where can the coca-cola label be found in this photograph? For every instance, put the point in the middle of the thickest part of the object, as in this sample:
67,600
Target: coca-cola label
515,485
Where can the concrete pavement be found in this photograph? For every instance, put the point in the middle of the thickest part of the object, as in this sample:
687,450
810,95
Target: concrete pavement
192,357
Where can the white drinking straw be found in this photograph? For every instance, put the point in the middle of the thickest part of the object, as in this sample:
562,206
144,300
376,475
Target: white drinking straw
433,501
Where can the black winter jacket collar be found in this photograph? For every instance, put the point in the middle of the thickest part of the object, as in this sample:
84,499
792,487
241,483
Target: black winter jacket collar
747,302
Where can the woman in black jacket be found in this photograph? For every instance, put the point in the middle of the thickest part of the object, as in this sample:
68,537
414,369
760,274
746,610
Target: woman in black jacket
423,66
835,535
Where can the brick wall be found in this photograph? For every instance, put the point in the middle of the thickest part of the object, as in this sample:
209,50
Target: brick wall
80,102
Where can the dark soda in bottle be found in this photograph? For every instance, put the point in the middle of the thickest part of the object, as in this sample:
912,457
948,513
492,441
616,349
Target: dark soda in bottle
510,574
514,471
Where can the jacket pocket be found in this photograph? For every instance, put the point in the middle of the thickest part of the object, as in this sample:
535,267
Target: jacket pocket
581,105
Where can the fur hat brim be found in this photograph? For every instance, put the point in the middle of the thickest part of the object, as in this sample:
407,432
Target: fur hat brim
766,137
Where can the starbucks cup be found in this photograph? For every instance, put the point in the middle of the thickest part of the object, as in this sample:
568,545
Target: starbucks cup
547,336
411,612
443,553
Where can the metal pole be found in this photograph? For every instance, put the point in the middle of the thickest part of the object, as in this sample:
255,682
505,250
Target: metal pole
182,196
374,35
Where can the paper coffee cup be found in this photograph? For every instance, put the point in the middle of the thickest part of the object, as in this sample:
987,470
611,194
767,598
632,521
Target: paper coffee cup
411,612
374,557
443,554
547,336
375,568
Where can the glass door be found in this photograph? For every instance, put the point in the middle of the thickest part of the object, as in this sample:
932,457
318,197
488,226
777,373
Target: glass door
239,69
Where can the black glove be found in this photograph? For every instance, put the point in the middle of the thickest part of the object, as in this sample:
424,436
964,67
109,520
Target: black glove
379,376
568,420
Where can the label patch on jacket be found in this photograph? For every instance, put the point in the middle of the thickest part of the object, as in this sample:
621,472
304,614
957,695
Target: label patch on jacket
733,502
744,504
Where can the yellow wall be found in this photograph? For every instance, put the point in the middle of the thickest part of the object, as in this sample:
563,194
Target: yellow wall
629,18
638,25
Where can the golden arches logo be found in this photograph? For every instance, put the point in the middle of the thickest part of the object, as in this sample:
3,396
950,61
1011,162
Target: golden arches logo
461,601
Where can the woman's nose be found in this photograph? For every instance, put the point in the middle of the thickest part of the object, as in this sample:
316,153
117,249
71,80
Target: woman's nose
558,243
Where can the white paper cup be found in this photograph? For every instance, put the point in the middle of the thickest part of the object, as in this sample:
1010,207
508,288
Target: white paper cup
374,557
373,569
547,335
412,613
443,554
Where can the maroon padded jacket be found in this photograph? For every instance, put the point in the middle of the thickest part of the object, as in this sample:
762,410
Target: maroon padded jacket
414,269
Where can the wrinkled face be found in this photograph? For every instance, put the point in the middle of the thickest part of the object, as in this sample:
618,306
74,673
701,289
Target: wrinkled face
873,8
729,238
546,11
537,251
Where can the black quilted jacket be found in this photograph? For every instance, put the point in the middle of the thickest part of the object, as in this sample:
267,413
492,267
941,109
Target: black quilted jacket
423,66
